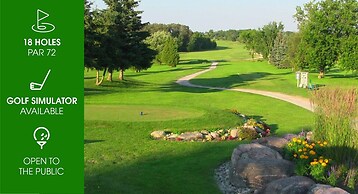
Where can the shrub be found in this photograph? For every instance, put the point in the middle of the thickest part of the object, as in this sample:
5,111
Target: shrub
247,133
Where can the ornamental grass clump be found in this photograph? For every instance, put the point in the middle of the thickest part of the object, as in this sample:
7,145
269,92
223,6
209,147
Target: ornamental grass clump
336,122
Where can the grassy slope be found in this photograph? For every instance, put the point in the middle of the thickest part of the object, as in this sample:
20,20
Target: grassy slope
239,71
121,158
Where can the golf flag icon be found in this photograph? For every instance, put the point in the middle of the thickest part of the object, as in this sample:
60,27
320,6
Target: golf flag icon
42,27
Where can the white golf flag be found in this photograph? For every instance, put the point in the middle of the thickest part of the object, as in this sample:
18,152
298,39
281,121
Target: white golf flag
41,15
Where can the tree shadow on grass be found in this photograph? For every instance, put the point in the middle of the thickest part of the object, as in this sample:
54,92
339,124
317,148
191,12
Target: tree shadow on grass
87,141
163,172
338,76
199,61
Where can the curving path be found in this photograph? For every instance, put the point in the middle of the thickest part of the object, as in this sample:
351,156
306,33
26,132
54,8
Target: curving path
296,100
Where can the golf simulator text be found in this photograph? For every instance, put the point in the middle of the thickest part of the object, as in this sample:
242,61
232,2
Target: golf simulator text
41,101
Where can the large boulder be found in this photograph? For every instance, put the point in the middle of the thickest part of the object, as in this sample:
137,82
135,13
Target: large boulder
275,143
158,134
291,185
326,189
256,173
253,151
254,165
188,136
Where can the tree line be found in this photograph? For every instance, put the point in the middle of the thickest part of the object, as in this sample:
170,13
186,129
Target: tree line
327,37
117,40
114,39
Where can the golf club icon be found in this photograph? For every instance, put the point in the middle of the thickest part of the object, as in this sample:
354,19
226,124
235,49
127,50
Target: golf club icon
42,27
41,136
36,86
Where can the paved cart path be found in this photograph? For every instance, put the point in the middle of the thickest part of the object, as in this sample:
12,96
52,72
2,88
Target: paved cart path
296,100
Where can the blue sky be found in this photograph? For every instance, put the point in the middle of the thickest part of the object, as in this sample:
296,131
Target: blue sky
203,15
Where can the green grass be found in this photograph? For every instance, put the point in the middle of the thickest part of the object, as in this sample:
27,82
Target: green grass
237,71
120,156
133,113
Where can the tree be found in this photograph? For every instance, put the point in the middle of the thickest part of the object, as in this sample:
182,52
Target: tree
324,25
170,55
348,60
293,40
199,42
126,37
157,42
180,32
268,34
279,51
96,29
251,39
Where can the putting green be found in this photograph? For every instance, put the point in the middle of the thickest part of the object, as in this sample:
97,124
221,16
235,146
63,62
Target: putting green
132,113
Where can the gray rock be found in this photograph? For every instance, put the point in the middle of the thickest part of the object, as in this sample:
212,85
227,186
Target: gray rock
326,189
291,185
208,137
233,133
204,132
253,151
172,136
191,136
275,143
289,137
214,135
258,173
158,134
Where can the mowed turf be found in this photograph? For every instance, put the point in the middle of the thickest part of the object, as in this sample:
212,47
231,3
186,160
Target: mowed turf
138,113
238,71
120,156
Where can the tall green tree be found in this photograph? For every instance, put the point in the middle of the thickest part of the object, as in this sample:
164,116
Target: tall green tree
324,25
157,41
169,54
278,56
126,36
96,36
268,35
348,60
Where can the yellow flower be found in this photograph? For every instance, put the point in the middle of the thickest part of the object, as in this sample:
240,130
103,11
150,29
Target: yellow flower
300,150
314,163
321,145
299,141
304,142
311,147
290,144
326,161
295,155
321,157
318,142
313,144
315,160
324,164
320,161
294,139
306,157
312,152
325,143
302,156
304,149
